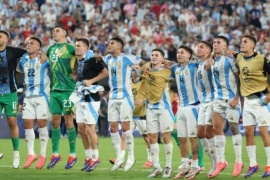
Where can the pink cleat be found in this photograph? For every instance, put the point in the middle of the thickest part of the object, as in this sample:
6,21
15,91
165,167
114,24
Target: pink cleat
40,162
238,169
29,160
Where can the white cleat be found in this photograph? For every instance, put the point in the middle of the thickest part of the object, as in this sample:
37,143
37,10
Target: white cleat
117,164
1,155
16,159
129,165
167,172
155,172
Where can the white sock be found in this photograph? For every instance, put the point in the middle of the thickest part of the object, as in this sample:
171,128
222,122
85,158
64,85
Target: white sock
155,154
194,164
88,154
168,154
116,141
95,154
122,154
220,141
149,157
237,144
43,138
267,152
251,151
184,162
212,151
30,139
205,145
130,144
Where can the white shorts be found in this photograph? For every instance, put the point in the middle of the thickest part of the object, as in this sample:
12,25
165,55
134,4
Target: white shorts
87,112
223,108
120,110
205,114
187,121
159,120
255,113
139,123
36,107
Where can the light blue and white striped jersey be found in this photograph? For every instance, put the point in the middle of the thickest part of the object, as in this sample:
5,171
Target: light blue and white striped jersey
205,83
224,79
36,76
120,69
187,82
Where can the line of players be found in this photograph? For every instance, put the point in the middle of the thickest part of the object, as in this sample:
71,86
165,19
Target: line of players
221,87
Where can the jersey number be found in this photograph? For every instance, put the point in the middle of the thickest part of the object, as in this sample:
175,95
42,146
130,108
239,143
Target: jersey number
67,103
31,72
113,72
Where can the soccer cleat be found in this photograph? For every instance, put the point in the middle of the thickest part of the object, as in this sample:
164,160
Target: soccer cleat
129,164
201,168
155,172
266,172
40,162
148,164
86,164
167,172
192,173
238,169
212,170
182,171
118,164
54,160
92,165
1,155
219,167
71,162
251,171
29,160
16,159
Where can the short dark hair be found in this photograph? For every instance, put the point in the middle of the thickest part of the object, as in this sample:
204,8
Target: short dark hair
5,32
188,49
84,41
223,38
209,45
62,27
252,38
159,50
118,39
37,39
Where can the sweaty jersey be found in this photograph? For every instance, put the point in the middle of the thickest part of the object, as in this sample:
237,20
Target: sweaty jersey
88,69
186,80
205,83
120,69
62,62
36,76
224,79
8,63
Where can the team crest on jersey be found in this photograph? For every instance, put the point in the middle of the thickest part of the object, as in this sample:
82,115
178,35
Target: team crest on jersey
186,72
245,71
26,65
37,66
119,65
31,65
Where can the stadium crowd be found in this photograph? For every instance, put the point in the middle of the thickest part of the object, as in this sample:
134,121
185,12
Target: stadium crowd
142,24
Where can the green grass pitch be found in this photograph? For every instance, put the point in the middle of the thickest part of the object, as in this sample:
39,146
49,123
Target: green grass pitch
103,170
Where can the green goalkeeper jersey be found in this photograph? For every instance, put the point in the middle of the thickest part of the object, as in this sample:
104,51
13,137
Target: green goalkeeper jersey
62,62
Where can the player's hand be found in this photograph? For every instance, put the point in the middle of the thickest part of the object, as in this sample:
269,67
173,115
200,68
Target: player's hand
43,57
73,76
234,102
267,98
208,63
98,58
87,82
136,67
167,64
230,52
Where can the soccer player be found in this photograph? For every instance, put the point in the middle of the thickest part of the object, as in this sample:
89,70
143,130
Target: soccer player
253,87
139,121
36,101
89,72
159,115
121,103
187,114
206,89
62,62
8,90
226,105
